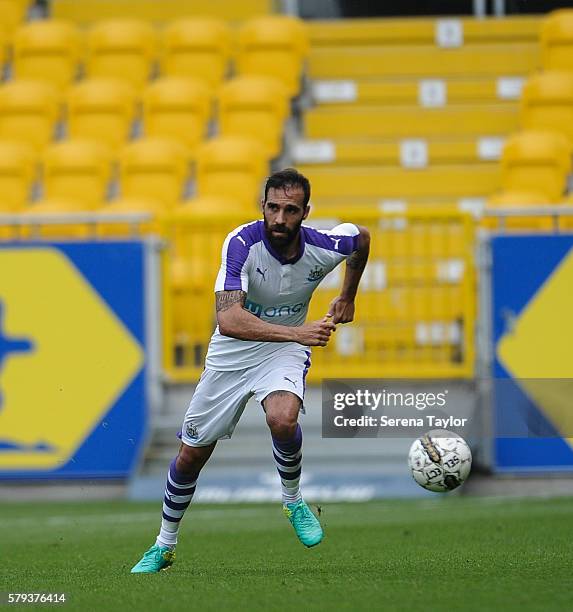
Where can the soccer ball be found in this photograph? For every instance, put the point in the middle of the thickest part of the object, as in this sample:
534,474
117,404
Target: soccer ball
440,460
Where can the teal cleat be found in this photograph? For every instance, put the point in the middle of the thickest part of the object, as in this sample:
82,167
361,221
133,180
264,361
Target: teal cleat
305,524
157,558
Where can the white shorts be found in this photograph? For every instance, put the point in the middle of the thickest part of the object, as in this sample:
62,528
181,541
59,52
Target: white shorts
221,396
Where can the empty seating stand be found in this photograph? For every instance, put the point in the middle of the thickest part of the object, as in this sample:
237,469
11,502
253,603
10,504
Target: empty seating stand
415,110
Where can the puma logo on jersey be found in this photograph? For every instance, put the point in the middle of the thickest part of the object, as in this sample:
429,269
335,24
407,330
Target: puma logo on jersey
241,239
262,273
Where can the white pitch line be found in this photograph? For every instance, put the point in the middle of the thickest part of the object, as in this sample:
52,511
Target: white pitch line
69,519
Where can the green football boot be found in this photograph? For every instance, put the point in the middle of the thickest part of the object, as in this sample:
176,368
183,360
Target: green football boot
305,524
157,558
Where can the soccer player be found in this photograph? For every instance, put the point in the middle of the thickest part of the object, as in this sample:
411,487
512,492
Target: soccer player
268,273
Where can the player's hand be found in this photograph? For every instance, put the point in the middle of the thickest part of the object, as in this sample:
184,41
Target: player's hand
342,310
316,333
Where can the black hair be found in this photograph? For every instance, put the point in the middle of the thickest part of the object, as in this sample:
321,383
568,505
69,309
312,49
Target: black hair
289,177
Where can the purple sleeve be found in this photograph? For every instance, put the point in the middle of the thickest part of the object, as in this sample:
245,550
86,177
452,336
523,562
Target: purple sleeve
232,274
343,239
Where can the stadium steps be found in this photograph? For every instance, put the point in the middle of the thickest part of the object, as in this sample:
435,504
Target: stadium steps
352,152
420,31
409,121
423,61
337,182
413,110
409,92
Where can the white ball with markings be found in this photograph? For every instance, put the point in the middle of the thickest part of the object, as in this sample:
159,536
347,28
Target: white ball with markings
440,460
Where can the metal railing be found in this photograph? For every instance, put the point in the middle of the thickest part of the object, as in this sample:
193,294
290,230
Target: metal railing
557,218
16,226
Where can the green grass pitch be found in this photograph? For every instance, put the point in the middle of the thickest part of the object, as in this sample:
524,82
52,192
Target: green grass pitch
450,553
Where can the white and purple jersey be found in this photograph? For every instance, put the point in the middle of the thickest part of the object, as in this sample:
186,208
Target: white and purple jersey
277,292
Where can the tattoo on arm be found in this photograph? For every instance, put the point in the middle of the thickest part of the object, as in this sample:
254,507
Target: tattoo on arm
225,299
357,260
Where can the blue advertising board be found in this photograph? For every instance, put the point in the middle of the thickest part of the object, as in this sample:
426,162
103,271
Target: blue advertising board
72,359
532,310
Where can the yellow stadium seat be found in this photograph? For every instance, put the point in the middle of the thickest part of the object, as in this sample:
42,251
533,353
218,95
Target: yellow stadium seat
123,49
12,13
178,108
190,324
202,211
197,48
17,173
516,199
254,106
3,48
507,200
101,109
557,40
233,167
56,205
193,249
47,50
274,45
206,207
547,102
127,205
193,271
28,111
79,170
536,162
155,168
159,11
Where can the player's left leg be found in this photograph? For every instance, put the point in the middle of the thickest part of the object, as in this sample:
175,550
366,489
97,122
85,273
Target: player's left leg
281,409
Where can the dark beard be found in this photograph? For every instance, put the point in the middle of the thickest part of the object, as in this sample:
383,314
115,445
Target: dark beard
282,242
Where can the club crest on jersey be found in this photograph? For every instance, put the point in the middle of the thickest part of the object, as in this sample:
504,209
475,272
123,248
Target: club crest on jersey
316,274
191,430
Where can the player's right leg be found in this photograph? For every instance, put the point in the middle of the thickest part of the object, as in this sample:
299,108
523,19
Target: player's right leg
179,490
216,406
